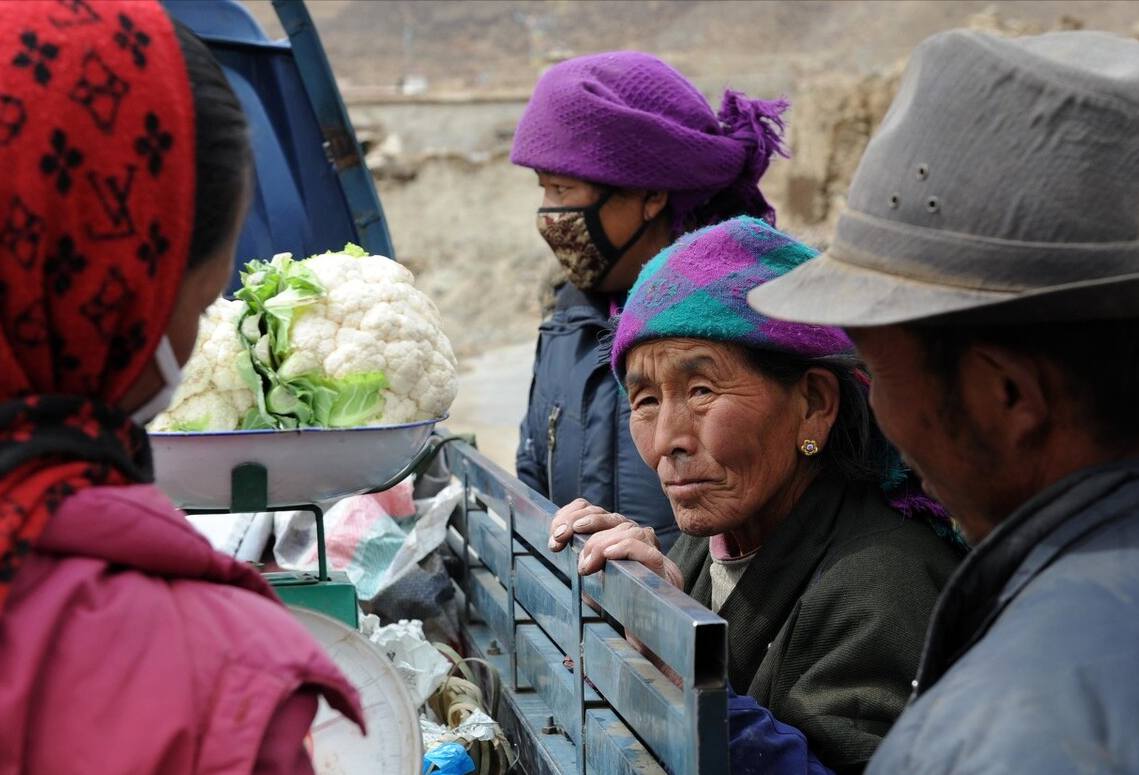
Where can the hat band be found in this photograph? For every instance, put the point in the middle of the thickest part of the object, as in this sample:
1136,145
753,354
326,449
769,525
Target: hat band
978,263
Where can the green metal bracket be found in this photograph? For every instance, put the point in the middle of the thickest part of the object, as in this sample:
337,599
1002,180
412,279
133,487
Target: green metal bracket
249,492
249,488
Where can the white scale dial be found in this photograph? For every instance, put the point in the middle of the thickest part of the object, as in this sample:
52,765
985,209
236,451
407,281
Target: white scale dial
393,745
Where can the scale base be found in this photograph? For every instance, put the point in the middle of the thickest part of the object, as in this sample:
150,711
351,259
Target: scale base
335,597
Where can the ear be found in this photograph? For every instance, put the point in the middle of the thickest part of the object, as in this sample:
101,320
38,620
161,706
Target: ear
1007,392
820,391
655,202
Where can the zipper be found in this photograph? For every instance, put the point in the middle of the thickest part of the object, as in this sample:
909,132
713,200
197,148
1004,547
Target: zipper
551,444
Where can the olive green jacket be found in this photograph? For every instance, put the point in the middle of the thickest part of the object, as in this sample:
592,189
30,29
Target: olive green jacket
827,623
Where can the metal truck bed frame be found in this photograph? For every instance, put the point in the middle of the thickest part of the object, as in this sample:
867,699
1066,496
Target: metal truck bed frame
577,697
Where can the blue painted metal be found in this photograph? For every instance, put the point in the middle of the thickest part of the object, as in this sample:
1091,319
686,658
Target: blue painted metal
540,661
544,749
492,603
621,712
545,596
708,707
344,148
638,691
615,750
488,540
669,622
579,671
312,190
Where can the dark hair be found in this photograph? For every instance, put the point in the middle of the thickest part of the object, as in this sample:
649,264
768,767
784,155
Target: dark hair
856,450
737,199
223,157
1098,358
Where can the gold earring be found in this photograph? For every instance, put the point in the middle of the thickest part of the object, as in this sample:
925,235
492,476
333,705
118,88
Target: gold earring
809,447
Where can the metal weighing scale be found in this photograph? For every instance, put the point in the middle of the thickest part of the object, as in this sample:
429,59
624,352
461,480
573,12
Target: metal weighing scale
304,470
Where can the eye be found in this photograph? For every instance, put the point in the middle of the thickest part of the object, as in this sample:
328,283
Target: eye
701,390
642,401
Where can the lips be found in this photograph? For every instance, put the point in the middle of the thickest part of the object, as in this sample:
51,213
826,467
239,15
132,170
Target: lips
685,488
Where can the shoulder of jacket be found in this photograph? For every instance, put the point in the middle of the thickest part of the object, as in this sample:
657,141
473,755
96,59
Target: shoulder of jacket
880,546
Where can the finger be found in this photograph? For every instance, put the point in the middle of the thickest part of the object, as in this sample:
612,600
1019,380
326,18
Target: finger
632,547
650,536
619,543
595,519
635,549
592,557
561,530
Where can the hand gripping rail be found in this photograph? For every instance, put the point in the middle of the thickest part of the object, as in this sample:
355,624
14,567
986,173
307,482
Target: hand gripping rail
578,698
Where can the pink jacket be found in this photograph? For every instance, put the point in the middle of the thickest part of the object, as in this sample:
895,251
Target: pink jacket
128,645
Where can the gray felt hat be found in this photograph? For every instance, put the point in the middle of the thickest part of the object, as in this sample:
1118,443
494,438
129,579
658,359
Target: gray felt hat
1002,186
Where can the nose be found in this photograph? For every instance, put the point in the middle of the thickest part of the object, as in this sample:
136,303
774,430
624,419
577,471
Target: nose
675,432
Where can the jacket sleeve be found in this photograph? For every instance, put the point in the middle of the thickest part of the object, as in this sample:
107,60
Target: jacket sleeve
758,744
284,748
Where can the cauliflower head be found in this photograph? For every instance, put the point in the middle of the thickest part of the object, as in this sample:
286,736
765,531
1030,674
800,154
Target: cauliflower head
343,339
212,395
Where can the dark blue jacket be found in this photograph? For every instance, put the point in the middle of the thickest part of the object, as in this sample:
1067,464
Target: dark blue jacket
1030,664
575,440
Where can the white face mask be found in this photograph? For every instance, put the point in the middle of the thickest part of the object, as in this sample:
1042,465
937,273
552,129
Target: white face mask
171,373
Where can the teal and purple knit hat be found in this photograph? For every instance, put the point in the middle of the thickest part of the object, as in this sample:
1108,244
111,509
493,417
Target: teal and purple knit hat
697,288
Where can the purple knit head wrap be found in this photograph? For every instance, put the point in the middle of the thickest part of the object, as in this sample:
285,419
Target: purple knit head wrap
697,288
628,120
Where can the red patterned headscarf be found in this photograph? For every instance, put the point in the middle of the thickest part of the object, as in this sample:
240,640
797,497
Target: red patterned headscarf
96,214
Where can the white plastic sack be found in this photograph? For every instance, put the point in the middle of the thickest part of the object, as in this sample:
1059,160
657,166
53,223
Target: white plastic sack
419,663
243,536
428,534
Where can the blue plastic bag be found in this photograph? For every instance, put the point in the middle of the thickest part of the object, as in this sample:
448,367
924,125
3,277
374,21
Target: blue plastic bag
448,759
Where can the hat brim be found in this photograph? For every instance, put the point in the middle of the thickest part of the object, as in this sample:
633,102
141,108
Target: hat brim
829,291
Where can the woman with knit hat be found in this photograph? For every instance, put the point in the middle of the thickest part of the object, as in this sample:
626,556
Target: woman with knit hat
629,155
801,526
127,644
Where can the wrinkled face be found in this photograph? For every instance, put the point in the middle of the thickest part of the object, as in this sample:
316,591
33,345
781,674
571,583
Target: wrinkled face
723,439
935,430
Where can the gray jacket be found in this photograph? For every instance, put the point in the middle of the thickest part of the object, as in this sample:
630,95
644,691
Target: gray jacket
1032,659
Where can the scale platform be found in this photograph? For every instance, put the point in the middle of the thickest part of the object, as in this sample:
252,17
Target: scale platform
228,472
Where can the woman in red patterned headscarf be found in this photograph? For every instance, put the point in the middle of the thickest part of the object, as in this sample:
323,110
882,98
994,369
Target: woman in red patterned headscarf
126,643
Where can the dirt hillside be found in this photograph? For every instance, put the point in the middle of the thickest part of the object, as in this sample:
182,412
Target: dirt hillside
463,218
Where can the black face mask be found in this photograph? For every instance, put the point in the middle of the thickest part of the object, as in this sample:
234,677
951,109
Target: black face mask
579,242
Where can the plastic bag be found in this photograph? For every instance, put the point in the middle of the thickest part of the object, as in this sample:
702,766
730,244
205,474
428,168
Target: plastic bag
363,539
448,759
419,663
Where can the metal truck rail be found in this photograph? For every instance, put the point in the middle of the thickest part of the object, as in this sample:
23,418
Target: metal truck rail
577,696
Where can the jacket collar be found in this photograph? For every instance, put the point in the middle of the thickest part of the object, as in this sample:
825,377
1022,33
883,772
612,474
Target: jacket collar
1020,548
569,296
783,568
